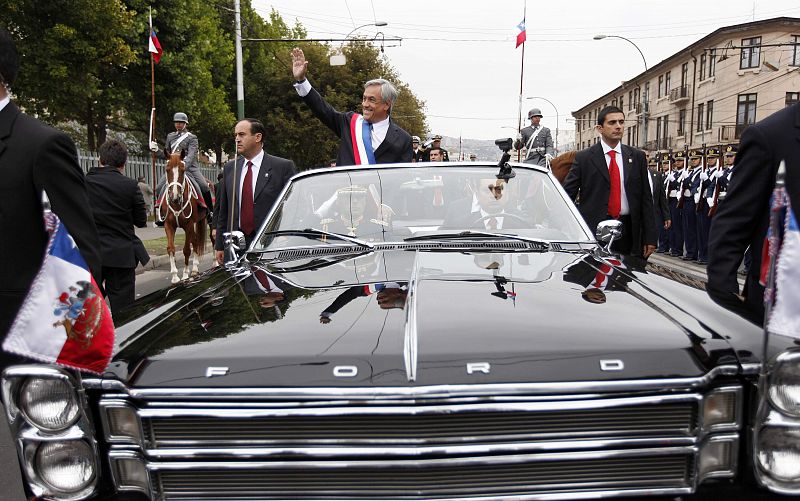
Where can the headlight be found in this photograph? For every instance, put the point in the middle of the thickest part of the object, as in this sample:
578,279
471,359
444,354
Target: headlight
779,452
784,387
49,404
66,466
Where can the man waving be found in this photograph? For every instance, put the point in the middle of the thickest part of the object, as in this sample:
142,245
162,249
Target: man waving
368,138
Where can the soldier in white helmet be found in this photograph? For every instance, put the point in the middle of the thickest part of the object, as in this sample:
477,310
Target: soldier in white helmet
418,152
184,141
536,140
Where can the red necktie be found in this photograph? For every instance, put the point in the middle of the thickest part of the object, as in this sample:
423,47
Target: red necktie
615,197
247,221
438,199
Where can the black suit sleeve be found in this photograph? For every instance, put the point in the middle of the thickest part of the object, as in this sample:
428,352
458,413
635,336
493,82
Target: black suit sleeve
407,149
650,233
139,208
662,200
333,119
57,172
221,213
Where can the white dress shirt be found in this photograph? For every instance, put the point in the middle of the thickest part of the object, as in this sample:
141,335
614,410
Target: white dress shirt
625,207
4,102
379,129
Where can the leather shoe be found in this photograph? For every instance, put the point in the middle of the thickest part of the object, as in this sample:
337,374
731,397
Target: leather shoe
688,258
702,261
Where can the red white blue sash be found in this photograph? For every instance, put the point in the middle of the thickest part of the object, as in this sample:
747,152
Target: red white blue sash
361,137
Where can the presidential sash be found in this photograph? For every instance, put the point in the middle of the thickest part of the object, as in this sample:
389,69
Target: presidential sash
361,137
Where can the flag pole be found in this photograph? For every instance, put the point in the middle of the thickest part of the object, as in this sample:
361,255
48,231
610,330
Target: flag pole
152,111
521,73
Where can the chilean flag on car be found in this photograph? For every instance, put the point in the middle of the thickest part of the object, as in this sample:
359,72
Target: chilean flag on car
64,318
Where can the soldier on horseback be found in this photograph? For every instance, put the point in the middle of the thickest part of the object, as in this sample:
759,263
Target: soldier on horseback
184,142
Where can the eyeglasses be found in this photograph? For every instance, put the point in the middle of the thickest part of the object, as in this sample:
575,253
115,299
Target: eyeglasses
495,189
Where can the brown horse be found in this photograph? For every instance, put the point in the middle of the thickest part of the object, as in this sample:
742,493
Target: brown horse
561,164
181,209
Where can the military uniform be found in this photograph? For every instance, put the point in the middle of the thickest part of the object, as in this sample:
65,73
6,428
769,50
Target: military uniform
703,194
427,154
689,186
673,199
537,141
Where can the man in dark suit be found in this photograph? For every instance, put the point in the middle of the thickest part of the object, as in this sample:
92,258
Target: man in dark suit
743,216
610,179
250,185
490,209
663,220
35,158
368,139
118,206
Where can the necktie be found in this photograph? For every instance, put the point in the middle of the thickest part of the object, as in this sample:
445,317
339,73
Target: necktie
438,197
615,196
247,221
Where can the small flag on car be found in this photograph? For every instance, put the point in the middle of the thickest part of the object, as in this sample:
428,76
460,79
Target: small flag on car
64,318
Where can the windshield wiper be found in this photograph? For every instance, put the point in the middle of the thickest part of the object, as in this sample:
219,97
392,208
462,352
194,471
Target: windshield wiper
483,234
321,233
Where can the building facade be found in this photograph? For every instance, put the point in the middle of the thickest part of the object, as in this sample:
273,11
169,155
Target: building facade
709,92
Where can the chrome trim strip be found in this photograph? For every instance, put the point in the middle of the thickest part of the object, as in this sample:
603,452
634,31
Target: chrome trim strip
379,451
410,339
751,369
416,462
434,391
415,410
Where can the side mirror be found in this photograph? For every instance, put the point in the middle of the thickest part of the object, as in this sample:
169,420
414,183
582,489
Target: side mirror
608,231
235,244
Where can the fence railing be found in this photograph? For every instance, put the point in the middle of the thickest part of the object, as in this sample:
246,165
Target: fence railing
138,166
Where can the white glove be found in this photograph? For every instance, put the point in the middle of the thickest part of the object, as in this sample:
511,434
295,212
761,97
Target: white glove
718,173
671,177
519,136
703,176
548,156
153,146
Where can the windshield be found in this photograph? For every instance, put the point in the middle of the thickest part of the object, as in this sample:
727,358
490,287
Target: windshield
393,204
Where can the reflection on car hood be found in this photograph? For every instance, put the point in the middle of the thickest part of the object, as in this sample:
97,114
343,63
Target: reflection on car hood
478,318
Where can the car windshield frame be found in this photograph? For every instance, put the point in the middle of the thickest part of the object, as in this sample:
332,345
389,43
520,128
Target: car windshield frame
271,227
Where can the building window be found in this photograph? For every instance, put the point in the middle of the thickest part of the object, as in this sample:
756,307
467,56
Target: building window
795,50
658,128
684,74
709,114
665,131
702,66
751,53
712,62
622,102
614,102
646,96
745,112
682,122
792,98
660,85
700,110
637,97
630,99
667,83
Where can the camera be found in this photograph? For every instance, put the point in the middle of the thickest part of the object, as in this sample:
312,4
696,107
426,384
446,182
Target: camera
504,144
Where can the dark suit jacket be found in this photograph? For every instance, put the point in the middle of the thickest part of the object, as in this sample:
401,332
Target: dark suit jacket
589,179
34,157
272,177
743,216
659,198
395,148
460,216
118,206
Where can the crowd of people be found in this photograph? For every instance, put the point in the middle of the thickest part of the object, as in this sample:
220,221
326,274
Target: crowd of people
673,208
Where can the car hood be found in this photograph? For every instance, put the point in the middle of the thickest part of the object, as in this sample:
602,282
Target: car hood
404,317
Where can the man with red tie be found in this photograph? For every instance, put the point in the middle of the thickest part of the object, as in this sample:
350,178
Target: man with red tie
610,180
250,185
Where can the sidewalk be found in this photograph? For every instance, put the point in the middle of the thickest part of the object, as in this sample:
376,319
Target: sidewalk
159,260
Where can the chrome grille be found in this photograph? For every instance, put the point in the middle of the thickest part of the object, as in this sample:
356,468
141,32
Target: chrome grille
343,427
424,479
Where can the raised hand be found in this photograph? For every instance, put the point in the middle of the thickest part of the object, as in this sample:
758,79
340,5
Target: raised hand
299,64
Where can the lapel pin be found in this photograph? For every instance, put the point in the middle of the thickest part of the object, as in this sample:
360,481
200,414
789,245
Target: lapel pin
630,161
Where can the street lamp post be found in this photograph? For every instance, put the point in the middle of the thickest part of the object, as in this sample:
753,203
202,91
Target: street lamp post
340,59
554,107
646,97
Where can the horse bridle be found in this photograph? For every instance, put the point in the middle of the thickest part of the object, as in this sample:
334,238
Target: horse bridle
183,188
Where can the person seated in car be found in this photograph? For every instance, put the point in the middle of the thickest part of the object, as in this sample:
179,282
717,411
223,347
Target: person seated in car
493,206
390,295
356,213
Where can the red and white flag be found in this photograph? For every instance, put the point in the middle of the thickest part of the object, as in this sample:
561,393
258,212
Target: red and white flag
154,46
64,318
521,37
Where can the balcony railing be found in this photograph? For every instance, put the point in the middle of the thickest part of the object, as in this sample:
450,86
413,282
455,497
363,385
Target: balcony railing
731,132
679,95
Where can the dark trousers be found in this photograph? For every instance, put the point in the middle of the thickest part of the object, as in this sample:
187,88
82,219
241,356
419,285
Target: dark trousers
120,285
703,228
676,230
663,234
689,228
624,244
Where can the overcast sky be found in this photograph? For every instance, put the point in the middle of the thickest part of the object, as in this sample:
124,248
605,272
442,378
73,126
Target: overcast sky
459,56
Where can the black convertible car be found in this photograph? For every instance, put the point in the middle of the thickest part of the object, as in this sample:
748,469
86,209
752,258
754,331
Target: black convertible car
418,332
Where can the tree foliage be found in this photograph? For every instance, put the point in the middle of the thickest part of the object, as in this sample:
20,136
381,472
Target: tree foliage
87,62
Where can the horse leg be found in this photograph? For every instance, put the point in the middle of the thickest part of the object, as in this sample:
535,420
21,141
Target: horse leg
169,228
187,250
